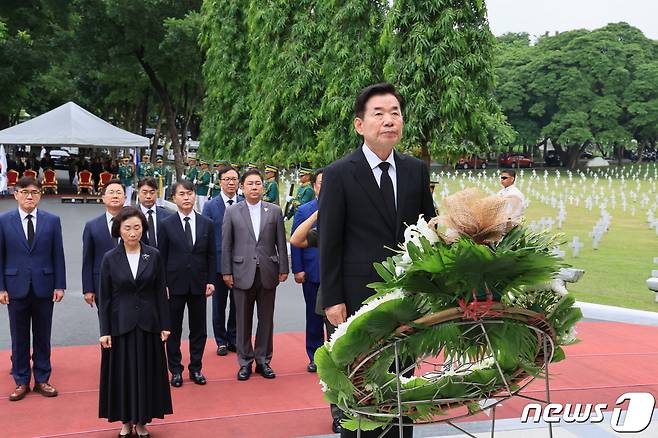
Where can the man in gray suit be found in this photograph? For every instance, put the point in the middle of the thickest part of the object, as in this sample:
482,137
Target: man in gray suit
254,262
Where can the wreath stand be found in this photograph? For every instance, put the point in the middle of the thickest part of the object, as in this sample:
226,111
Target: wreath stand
488,400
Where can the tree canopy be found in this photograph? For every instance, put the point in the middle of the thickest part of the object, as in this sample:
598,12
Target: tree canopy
580,88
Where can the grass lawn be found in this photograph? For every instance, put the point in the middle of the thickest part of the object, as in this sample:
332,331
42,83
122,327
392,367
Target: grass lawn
616,272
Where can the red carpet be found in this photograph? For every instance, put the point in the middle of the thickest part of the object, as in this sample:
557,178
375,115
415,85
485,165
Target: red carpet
611,359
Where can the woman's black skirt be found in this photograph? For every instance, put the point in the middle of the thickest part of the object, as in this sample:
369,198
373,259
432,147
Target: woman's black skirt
134,381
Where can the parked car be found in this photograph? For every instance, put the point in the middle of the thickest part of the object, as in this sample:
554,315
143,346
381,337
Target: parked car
552,158
61,158
515,160
471,163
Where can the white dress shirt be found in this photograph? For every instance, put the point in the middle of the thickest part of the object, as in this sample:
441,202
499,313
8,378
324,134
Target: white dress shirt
515,201
23,216
192,217
226,199
108,218
373,162
133,261
254,213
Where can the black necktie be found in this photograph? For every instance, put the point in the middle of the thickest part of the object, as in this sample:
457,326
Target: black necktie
386,186
30,230
151,232
188,232
230,202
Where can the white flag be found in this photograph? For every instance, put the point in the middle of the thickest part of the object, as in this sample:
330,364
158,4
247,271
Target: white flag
3,169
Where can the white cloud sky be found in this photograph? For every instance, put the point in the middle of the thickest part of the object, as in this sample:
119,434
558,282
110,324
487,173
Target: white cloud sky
538,16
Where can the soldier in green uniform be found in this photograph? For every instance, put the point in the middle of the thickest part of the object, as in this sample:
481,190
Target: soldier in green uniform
160,175
271,186
192,170
203,184
305,192
145,167
215,186
126,174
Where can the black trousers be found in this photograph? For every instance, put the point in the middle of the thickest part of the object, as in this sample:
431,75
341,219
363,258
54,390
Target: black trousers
223,329
37,313
196,315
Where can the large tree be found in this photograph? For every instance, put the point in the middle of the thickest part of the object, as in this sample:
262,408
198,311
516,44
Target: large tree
579,89
285,40
441,57
160,36
225,123
352,59
31,36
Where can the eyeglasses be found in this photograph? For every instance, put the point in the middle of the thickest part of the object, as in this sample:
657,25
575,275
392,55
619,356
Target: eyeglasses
30,192
505,177
230,179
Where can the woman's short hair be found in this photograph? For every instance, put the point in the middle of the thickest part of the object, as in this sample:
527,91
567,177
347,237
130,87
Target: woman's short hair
125,214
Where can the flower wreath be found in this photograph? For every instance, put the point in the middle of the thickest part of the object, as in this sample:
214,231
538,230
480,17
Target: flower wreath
469,268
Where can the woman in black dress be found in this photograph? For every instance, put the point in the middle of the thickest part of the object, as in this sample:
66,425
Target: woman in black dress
134,324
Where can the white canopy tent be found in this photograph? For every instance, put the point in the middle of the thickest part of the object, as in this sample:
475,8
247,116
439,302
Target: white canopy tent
70,125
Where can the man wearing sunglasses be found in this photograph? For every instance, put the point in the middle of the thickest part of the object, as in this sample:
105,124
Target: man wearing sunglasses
32,279
513,196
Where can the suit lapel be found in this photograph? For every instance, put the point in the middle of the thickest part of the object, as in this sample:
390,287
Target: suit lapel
40,225
144,260
264,216
197,229
18,228
402,182
244,211
365,178
123,260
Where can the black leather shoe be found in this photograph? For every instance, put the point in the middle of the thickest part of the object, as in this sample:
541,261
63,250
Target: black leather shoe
176,380
222,350
232,347
265,371
197,378
335,426
244,373
312,367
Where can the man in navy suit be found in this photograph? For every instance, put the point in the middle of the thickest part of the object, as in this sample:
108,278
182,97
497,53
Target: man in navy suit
224,331
147,194
97,238
187,245
306,268
32,278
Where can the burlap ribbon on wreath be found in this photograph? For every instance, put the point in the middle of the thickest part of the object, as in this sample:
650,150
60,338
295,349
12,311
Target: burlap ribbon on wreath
485,219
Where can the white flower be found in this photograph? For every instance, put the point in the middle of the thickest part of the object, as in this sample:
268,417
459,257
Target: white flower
411,234
342,328
425,230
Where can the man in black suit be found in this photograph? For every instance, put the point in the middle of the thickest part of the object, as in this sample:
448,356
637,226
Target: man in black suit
187,244
367,197
97,238
147,194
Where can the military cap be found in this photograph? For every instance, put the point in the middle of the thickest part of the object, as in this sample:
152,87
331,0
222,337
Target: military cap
158,159
125,159
270,168
305,170
202,162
